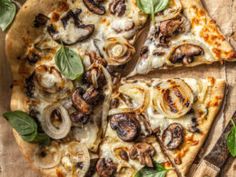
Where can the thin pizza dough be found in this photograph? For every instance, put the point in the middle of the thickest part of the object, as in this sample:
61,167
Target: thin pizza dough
183,35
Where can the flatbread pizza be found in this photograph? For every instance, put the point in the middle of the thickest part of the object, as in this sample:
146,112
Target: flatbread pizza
73,111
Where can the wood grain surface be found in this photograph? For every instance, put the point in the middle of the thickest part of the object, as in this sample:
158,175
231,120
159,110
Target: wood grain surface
12,163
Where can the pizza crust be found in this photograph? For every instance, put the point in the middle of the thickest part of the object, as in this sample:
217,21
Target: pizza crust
218,90
16,42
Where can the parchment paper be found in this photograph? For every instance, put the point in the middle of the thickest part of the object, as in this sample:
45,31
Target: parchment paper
12,163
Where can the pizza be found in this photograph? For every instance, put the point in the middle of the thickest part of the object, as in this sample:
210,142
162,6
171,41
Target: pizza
183,35
178,111
73,112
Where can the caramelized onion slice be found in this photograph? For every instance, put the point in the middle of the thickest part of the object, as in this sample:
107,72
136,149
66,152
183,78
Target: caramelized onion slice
56,122
173,98
88,134
107,99
78,158
136,98
47,156
118,51
50,83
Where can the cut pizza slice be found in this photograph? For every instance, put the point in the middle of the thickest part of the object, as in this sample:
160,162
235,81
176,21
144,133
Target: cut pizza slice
183,35
178,111
123,157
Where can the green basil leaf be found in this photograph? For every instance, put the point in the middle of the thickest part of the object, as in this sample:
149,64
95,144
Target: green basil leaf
157,171
27,127
42,138
152,6
21,122
7,13
69,63
146,5
231,142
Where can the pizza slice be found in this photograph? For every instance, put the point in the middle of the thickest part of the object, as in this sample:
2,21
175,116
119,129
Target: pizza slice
183,35
179,111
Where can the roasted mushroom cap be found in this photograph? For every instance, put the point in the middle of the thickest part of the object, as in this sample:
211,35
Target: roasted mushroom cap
173,136
79,103
174,26
70,30
106,167
143,152
185,53
169,27
117,7
95,77
92,96
94,7
126,126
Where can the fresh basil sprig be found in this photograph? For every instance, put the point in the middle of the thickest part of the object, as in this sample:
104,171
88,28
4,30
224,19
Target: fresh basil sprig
231,140
158,171
69,63
152,6
7,13
26,126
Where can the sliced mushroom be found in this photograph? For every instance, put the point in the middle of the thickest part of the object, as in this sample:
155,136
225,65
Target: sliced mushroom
92,96
117,7
169,27
55,121
94,7
47,156
173,136
118,51
70,30
126,126
79,102
143,152
185,53
78,117
87,134
106,167
95,77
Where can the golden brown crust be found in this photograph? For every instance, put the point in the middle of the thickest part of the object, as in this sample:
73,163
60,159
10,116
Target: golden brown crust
214,99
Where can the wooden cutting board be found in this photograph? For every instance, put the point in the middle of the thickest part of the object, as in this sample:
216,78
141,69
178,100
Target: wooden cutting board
12,164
